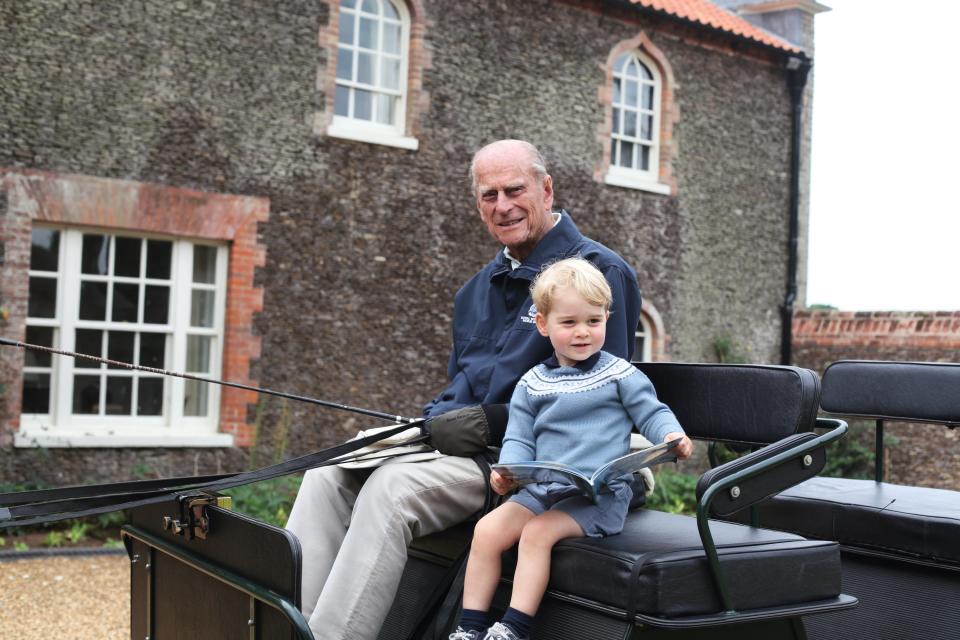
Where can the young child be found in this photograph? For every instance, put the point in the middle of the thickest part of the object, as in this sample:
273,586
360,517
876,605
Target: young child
578,407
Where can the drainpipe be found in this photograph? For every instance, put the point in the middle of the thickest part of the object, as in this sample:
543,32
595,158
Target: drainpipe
797,70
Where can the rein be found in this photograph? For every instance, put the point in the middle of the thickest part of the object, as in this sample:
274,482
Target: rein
50,505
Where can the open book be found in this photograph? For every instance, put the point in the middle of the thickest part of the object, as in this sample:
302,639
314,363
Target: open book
533,472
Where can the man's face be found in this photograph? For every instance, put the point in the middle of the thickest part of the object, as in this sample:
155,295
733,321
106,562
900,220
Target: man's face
514,205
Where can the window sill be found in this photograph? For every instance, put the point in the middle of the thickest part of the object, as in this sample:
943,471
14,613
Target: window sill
638,182
347,130
115,438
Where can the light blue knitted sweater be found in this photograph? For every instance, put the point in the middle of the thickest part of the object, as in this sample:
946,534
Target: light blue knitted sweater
582,416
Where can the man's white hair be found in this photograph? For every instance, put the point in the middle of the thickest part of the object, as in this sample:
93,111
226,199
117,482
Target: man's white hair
537,164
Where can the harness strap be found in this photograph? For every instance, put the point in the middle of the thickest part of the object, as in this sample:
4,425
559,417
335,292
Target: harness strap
51,505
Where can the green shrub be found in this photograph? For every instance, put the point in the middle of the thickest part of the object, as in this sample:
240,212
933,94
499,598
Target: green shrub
673,492
269,501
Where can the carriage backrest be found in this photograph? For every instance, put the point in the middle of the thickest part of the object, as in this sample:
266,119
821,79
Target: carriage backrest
906,391
736,403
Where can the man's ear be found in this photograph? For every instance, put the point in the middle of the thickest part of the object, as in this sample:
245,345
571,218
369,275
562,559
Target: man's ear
541,324
548,192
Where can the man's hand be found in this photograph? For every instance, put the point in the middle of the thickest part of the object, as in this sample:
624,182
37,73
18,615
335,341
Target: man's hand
501,484
684,448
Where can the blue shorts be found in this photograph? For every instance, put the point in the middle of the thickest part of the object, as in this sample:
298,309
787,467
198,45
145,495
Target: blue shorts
605,518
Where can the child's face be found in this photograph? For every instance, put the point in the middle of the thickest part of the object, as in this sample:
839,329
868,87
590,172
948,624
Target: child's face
576,328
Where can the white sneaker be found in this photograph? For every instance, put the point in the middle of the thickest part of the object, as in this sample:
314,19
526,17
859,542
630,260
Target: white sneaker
460,634
501,631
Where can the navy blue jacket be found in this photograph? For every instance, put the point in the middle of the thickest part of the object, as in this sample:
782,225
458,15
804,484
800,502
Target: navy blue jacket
495,339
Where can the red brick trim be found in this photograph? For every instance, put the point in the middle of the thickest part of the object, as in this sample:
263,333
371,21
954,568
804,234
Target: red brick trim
923,330
419,60
669,111
658,336
119,204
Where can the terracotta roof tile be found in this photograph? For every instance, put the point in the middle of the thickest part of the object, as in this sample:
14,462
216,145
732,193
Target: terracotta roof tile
708,14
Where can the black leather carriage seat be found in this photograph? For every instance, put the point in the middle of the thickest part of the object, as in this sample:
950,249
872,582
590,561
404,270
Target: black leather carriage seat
656,570
913,524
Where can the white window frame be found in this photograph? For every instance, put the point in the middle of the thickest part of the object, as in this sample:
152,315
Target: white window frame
629,177
644,330
367,130
62,428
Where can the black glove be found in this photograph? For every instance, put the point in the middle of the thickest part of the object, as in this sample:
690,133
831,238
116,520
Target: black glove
468,431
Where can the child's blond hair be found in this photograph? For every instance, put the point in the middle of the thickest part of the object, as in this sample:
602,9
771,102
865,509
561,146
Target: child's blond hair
577,273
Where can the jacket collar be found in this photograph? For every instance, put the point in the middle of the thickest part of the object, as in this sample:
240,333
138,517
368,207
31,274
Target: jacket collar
558,242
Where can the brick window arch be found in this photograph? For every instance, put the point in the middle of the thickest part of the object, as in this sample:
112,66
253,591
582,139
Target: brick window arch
639,113
650,337
372,81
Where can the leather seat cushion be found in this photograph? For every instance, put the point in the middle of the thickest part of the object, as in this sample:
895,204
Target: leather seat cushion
915,522
659,563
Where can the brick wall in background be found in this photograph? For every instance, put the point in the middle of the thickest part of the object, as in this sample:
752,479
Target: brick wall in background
925,455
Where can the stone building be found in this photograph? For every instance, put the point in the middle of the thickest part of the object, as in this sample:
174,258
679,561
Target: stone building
275,193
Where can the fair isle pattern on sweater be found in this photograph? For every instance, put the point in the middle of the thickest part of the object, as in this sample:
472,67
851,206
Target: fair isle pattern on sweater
542,381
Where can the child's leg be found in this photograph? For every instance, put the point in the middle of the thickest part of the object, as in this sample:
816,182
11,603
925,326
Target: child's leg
495,533
533,558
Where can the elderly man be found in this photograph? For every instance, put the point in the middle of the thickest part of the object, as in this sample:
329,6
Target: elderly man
354,525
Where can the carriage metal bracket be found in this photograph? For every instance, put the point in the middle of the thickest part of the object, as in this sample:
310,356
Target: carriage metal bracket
193,521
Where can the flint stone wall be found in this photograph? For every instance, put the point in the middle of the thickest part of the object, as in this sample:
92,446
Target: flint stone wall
366,245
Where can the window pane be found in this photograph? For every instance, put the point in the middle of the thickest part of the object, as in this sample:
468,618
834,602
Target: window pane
646,127
371,6
630,69
119,396
93,300
42,336
630,123
346,27
156,304
127,260
349,4
365,68
389,10
644,157
626,154
195,398
391,37
205,264
368,33
201,308
630,97
120,347
644,72
198,354
89,342
150,397
616,90
86,394
44,249
385,105
159,253
390,73
616,120
43,298
638,348
621,62
344,64
152,350
648,96
362,104
341,103
36,393
94,258
125,301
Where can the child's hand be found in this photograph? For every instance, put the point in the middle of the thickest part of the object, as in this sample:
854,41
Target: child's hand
501,484
684,448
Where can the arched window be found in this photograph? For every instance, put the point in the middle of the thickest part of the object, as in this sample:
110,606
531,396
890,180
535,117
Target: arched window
635,136
643,341
371,84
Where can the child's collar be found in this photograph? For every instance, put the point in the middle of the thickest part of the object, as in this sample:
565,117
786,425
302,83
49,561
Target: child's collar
584,365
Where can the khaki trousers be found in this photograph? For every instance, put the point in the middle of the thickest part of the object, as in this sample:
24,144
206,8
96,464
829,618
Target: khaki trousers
354,526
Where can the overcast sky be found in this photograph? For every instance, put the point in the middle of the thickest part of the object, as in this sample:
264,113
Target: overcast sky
884,213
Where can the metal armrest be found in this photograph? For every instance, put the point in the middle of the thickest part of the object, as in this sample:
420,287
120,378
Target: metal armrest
758,475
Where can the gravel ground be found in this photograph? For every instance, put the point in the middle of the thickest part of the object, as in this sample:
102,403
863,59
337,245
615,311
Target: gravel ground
72,597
